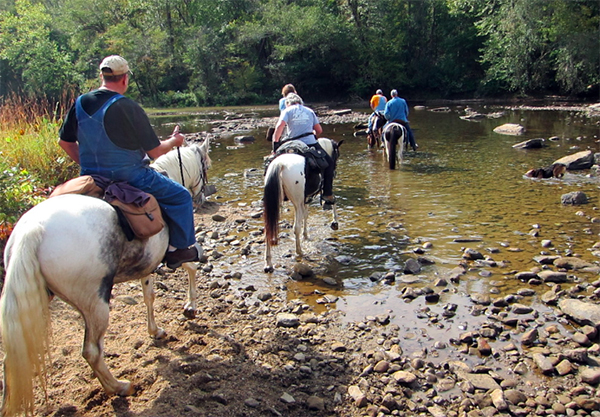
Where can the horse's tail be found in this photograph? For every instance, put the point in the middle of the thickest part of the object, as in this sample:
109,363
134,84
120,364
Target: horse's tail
24,319
392,143
271,202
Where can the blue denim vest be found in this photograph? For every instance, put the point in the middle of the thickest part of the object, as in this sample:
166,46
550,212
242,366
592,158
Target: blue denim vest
98,154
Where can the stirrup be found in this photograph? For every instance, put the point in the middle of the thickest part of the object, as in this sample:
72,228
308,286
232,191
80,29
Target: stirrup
328,204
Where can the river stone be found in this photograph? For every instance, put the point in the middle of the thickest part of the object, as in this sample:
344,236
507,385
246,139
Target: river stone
498,399
552,276
472,254
479,381
315,403
526,275
543,363
570,262
574,198
550,297
530,144
514,396
303,269
589,375
545,259
564,367
510,129
577,161
404,377
287,320
412,266
521,309
581,311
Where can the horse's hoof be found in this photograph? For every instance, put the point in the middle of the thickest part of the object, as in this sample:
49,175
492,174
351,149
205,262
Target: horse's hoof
160,334
125,388
269,269
334,226
189,313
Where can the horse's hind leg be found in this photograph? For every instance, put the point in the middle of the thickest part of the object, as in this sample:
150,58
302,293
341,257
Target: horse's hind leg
189,310
299,226
96,323
148,291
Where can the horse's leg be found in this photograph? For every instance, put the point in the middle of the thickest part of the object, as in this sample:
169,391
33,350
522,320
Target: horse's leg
299,225
96,323
189,310
268,261
148,291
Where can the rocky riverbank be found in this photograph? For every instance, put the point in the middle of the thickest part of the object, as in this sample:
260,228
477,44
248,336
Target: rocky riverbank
254,351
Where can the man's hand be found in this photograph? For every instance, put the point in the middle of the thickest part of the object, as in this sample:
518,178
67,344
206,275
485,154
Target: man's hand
177,137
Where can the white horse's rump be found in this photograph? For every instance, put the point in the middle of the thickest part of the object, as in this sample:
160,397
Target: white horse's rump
72,246
286,177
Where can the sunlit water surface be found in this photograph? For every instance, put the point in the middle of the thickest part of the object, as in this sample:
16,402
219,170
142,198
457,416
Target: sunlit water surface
466,182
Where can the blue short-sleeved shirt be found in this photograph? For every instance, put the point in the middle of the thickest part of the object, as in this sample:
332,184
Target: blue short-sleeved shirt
299,120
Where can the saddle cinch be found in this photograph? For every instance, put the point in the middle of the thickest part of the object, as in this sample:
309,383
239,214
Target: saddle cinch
139,219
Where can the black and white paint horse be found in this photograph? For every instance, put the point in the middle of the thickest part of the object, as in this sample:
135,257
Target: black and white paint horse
72,247
395,138
287,176
374,136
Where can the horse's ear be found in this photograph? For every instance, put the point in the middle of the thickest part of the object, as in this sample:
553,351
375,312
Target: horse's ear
205,145
340,143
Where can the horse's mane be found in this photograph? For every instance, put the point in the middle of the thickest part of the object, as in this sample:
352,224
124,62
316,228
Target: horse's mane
191,157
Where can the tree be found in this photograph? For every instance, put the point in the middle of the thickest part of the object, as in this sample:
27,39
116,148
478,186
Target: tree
34,53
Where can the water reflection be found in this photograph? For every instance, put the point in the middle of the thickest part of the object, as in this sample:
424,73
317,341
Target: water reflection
465,182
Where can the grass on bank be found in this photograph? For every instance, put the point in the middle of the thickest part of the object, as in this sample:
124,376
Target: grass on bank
30,159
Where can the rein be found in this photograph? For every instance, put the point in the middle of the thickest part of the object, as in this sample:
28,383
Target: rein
180,166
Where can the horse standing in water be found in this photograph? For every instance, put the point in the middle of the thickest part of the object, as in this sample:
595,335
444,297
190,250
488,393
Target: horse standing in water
288,176
72,246
374,136
395,136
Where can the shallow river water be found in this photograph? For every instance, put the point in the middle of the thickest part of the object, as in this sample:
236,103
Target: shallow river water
465,183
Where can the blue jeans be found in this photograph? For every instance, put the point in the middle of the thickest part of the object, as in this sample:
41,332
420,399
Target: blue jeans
175,202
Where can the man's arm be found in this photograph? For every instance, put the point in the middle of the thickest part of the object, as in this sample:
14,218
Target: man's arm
71,148
176,139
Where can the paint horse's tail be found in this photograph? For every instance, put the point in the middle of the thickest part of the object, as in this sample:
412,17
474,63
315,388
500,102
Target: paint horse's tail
271,202
24,321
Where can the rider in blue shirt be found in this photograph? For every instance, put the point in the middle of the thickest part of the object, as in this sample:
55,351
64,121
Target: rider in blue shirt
396,110
301,123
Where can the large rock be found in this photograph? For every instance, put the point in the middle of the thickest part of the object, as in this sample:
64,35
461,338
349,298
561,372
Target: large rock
574,198
510,129
581,311
530,144
579,160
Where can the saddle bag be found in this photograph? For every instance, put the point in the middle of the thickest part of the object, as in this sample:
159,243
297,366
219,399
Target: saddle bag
137,221
316,159
81,185
145,221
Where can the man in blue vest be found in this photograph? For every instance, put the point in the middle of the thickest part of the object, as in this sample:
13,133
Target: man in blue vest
396,111
110,135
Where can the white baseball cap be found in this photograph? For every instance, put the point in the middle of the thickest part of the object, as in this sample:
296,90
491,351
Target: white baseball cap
114,65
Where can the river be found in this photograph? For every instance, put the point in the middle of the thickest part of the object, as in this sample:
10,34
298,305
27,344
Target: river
465,183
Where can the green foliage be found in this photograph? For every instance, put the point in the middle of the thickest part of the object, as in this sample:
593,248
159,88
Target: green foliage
18,193
37,55
202,52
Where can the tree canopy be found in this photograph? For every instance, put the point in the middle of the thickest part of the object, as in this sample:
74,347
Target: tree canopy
201,52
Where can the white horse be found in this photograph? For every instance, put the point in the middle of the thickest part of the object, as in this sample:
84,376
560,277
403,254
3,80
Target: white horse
71,246
394,137
287,176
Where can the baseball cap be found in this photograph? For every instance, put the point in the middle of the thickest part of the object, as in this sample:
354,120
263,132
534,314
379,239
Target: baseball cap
114,65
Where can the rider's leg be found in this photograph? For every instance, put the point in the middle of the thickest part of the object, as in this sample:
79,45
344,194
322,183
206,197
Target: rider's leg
411,138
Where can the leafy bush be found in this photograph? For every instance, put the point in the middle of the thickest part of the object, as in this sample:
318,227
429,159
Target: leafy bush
19,191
